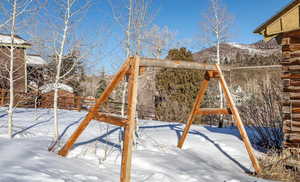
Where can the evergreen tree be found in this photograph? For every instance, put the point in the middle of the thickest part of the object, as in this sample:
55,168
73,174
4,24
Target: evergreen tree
177,88
180,54
102,84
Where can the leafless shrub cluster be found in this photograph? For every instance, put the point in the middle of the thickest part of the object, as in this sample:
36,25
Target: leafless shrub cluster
263,113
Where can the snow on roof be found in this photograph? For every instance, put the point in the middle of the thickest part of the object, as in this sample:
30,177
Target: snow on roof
6,39
35,60
50,87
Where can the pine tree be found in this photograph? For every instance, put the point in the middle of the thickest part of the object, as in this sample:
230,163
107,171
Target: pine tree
180,54
102,84
177,88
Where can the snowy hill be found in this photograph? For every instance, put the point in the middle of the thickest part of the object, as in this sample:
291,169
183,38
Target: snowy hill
209,155
231,50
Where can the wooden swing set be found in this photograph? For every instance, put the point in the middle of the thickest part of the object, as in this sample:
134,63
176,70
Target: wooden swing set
132,68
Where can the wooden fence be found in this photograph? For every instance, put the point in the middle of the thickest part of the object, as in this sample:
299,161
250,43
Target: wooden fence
37,100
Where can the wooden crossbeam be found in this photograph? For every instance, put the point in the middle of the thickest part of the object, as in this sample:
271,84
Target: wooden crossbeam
110,119
132,68
164,63
211,111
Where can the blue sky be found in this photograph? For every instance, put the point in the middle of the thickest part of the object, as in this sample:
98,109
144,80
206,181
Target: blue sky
182,16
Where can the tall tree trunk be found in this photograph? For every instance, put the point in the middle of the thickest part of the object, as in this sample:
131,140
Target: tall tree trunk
221,121
127,55
55,112
26,74
11,72
58,70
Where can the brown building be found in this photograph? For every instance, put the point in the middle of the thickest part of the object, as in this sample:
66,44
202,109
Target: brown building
19,66
285,28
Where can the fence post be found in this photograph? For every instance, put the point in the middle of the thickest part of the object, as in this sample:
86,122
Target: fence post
2,97
78,103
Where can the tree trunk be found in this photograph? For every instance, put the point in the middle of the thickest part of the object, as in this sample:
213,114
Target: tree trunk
221,121
127,55
55,112
124,98
11,73
11,93
58,69
26,74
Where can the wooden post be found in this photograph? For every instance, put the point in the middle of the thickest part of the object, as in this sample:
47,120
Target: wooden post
131,67
130,125
238,120
78,103
2,97
117,78
197,104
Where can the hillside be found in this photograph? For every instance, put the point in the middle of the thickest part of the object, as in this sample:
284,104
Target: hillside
243,54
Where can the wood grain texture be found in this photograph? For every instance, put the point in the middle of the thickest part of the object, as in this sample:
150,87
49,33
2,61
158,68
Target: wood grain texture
213,111
110,119
164,63
117,78
239,123
199,98
130,125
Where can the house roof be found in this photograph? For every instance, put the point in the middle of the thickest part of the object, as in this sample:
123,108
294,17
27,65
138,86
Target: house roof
5,39
286,20
35,60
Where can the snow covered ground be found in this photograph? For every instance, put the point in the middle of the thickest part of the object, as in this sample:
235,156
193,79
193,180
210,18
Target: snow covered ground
209,154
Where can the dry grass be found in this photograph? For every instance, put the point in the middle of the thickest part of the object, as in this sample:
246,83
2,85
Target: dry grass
283,166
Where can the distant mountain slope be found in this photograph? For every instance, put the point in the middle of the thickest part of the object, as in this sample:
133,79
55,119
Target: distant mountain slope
235,53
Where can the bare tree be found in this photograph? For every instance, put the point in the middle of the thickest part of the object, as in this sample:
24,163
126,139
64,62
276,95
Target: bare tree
216,28
142,18
158,40
138,17
10,71
64,46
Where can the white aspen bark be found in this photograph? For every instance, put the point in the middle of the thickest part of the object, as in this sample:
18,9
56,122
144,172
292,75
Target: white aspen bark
55,112
219,85
123,98
35,106
218,39
128,29
139,47
127,54
221,122
11,72
25,73
58,70
158,53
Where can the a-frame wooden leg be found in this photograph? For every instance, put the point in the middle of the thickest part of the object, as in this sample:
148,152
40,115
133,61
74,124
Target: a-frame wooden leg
196,105
130,126
118,77
238,120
